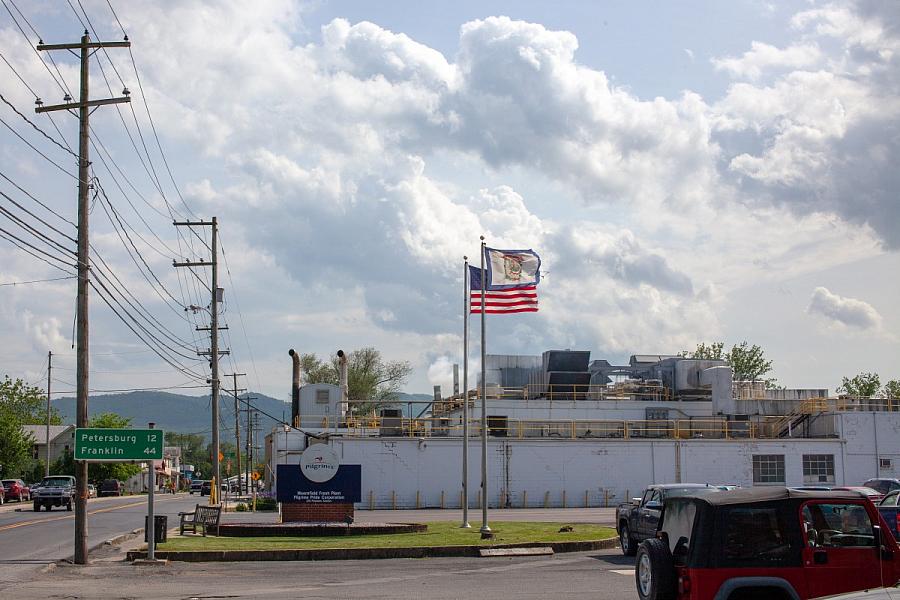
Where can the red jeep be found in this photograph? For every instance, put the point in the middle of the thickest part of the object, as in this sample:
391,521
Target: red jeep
767,544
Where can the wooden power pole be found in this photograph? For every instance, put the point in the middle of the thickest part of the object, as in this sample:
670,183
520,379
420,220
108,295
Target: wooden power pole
213,329
84,105
49,368
237,428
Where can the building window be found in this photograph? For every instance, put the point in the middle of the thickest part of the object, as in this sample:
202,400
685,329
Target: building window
818,468
768,468
885,463
322,396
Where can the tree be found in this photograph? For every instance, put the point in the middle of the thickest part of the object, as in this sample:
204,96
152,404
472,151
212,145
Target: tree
864,385
371,381
891,389
194,451
20,404
748,362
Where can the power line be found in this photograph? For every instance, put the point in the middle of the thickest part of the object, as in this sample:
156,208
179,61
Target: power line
32,230
68,237
8,238
35,248
36,128
44,156
24,191
36,281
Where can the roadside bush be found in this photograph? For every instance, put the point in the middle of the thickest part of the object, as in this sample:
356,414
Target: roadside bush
266,503
241,507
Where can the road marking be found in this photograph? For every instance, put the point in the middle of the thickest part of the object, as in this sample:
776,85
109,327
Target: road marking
622,571
72,516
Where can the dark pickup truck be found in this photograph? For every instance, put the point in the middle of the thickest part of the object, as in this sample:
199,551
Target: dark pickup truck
637,521
56,490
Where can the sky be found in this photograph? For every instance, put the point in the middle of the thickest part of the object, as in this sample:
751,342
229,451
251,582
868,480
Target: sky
689,172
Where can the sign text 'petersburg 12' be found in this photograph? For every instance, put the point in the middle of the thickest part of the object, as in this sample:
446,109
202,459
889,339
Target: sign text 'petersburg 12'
110,445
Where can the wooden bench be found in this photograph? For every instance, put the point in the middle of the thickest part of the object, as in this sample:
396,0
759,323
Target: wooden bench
203,516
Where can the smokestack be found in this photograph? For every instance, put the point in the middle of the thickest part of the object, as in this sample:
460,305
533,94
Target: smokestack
455,380
345,387
295,389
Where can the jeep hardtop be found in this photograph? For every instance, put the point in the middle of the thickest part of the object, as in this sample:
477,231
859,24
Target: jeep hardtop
767,543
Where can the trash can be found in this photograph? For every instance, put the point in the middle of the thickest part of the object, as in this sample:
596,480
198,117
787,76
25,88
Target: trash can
160,528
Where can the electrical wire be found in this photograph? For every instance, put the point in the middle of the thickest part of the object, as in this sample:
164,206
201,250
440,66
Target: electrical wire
44,156
36,128
24,191
37,281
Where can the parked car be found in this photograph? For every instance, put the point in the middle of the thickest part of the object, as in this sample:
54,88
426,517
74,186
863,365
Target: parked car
16,488
883,485
766,542
56,490
196,484
206,488
890,512
873,495
111,487
92,490
636,521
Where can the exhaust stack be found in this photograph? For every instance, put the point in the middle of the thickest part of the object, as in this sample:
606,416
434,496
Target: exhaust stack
344,407
295,389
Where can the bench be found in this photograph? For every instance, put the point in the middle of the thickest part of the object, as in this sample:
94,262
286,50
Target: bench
202,516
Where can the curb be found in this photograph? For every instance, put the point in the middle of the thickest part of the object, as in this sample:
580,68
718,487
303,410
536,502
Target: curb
364,553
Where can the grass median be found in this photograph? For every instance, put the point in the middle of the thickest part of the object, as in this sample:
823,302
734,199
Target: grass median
438,534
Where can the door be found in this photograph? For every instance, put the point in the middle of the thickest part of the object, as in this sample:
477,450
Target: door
650,512
839,554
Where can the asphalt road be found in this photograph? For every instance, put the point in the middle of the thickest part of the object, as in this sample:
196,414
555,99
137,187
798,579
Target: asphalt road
27,536
601,574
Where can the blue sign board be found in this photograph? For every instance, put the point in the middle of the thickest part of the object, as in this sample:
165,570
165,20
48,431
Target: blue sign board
344,487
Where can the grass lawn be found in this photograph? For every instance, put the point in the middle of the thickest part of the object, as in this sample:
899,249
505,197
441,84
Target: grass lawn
439,534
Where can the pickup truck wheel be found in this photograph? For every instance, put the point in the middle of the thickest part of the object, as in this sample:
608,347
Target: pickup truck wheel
629,546
654,572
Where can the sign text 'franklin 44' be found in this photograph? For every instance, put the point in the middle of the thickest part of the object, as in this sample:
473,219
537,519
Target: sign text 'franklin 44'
112,445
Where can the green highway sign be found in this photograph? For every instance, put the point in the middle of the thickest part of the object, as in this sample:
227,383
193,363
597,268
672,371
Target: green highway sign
113,445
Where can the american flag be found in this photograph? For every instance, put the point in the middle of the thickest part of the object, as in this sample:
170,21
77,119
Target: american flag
510,300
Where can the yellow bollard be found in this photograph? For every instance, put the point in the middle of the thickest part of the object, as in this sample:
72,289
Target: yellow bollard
418,503
371,500
546,499
393,500
524,498
586,497
605,498
564,499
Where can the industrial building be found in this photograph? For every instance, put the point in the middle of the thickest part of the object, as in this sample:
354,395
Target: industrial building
567,431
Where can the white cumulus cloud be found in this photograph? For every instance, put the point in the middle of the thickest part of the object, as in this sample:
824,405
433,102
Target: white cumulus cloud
849,312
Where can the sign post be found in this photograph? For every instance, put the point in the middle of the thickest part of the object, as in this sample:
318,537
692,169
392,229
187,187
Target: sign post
151,524
93,444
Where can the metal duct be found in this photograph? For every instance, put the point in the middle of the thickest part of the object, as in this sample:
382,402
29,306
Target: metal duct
295,389
345,388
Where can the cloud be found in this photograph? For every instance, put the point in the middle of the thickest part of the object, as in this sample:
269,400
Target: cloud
763,57
848,312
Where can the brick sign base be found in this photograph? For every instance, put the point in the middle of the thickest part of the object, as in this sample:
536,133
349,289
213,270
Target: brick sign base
309,512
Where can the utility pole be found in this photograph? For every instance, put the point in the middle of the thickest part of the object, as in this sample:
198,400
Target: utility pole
84,104
213,328
237,428
49,367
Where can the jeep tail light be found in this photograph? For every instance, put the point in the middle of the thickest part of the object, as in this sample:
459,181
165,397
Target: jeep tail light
684,585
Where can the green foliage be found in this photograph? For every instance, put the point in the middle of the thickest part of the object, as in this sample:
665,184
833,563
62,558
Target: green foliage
241,507
194,451
371,380
891,389
26,403
864,385
266,503
749,362
20,404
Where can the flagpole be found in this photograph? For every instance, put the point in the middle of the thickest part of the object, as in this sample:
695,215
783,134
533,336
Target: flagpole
485,528
465,445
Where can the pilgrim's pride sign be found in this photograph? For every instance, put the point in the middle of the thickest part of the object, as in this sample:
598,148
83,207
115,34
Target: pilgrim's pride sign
319,479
